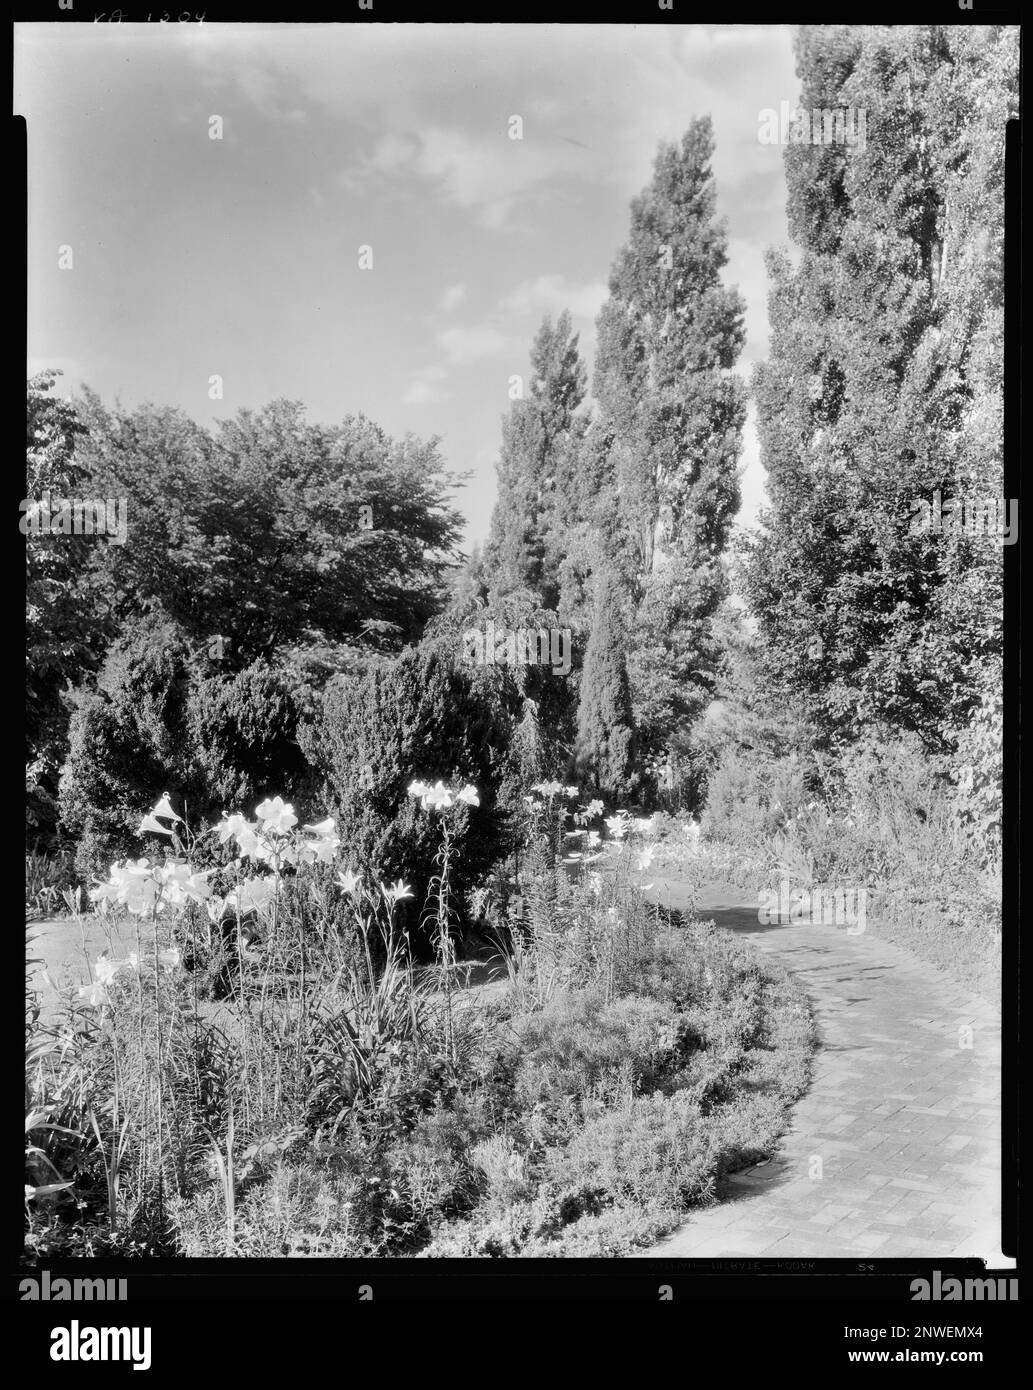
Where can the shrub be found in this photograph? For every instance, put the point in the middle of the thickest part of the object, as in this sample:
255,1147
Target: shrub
931,862
128,739
653,1152
504,1169
155,722
579,1047
300,1209
244,730
980,765
750,795
418,713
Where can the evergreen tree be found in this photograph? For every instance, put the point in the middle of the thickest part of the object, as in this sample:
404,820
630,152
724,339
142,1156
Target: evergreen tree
604,752
421,714
68,623
157,720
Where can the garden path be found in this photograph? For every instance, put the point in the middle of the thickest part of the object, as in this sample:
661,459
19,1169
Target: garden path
904,1119
57,942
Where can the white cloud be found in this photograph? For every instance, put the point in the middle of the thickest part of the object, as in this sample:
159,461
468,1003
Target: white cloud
483,170
390,155
423,393
747,271
634,85
464,345
551,294
424,389
452,298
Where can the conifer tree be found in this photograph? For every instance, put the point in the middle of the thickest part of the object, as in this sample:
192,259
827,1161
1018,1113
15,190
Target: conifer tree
68,620
604,752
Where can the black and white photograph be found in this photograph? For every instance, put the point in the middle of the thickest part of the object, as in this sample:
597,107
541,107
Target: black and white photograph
517,526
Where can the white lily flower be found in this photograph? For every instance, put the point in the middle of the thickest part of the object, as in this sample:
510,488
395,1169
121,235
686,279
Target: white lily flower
397,891
276,815
150,826
323,827
95,995
106,969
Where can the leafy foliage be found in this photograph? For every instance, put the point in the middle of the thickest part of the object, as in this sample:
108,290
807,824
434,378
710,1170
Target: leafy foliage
245,731
128,739
884,384
668,432
537,469
255,535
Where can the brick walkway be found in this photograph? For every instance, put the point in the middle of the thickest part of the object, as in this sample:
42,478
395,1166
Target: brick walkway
904,1121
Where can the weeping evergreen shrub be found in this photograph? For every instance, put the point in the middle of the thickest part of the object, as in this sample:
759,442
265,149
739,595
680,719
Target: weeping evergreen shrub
245,733
129,741
154,723
418,716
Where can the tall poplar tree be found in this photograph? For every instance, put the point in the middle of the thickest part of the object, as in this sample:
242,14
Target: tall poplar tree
667,437
539,439
883,384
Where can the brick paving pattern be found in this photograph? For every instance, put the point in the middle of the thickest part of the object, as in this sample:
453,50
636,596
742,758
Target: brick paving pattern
904,1119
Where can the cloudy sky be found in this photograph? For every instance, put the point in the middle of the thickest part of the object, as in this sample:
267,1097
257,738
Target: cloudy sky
239,257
